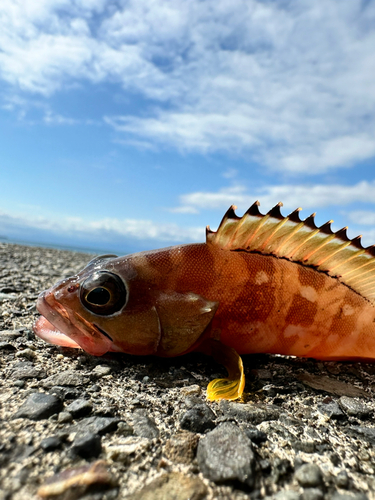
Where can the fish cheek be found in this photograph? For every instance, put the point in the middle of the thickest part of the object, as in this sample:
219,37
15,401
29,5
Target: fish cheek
134,331
183,318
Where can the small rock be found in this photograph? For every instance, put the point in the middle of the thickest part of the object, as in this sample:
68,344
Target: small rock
225,454
96,425
27,370
26,353
333,386
200,418
123,450
51,443
309,475
143,425
10,334
86,445
355,408
68,377
64,417
39,406
332,410
181,447
66,392
101,371
190,390
79,408
253,413
172,486
94,388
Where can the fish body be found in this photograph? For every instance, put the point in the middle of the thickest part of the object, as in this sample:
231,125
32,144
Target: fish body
260,284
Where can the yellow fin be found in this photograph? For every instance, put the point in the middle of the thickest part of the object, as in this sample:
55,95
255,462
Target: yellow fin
233,386
299,241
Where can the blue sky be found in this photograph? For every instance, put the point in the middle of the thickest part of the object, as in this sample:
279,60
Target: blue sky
132,124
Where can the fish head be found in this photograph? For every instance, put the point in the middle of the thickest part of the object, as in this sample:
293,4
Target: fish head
122,304
88,310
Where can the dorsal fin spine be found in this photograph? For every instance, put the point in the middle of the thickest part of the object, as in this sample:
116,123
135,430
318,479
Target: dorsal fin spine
279,226
355,254
339,248
277,250
313,233
326,240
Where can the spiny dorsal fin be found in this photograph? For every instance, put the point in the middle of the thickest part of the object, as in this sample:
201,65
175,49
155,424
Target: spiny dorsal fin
299,241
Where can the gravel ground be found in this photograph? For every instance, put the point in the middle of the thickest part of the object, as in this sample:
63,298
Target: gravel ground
116,427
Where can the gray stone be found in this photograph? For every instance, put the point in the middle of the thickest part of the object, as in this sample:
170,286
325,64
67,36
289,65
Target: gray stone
64,417
39,406
286,495
51,443
332,410
253,413
68,377
96,425
181,447
200,418
143,425
309,476
355,408
79,408
225,454
86,445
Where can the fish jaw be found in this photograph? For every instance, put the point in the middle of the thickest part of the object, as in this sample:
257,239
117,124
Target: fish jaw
58,325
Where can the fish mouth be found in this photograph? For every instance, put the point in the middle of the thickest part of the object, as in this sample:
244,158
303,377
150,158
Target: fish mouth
62,326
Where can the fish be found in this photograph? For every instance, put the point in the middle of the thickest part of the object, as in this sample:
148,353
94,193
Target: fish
261,283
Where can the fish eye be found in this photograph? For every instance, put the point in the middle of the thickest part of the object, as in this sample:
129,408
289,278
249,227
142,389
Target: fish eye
103,293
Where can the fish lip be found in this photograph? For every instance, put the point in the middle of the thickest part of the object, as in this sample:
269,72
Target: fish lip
79,331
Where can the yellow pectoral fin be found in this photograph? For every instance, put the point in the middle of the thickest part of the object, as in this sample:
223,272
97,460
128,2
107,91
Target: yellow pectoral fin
225,388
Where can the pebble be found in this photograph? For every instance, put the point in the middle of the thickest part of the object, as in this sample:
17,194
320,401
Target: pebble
68,377
86,445
27,371
26,353
5,346
172,486
96,425
181,447
122,450
200,418
39,406
332,410
355,408
225,454
51,443
66,392
143,425
253,413
64,417
101,371
124,429
309,475
79,408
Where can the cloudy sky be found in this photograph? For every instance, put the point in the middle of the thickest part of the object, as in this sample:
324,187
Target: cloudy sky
131,124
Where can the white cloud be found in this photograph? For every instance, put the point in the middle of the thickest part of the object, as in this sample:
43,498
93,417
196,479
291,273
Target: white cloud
310,196
289,84
137,229
363,218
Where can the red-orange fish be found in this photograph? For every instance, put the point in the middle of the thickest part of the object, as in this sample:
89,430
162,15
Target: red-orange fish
261,283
